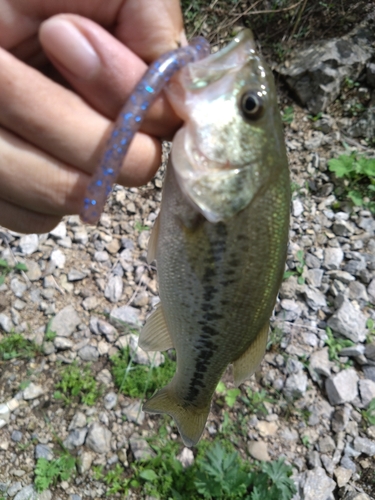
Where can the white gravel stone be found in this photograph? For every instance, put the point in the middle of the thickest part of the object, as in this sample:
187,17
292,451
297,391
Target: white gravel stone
367,391
316,485
295,385
297,207
319,364
5,323
333,257
65,322
18,287
259,450
186,457
59,231
27,493
58,258
84,463
99,438
143,239
365,446
63,343
89,353
343,387
113,290
140,448
126,314
134,413
29,244
349,322
32,391
80,236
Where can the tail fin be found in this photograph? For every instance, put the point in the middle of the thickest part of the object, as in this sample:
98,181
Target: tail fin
190,421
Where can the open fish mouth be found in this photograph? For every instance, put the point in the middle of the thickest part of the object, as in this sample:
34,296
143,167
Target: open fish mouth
218,189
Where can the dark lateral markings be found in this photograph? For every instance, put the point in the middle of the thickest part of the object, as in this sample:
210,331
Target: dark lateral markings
201,365
205,346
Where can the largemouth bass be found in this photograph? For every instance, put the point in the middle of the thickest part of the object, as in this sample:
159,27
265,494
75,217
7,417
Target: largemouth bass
221,236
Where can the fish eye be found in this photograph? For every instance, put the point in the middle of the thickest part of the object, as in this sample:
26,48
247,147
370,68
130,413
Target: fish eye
251,105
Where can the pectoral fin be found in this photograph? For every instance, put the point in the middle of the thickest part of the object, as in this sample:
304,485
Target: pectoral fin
190,420
153,241
246,364
155,335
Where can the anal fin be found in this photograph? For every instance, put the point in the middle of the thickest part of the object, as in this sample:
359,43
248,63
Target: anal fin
153,241
248,362
154,335
190,420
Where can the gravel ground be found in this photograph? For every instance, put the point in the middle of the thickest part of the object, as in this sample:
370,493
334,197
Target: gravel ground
83,278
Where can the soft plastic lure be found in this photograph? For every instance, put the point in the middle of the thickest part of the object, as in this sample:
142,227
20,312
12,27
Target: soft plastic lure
130,120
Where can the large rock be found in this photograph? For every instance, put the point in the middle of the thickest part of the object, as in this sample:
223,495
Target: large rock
99,438
316,485
316,74
349,322
343,387
65,322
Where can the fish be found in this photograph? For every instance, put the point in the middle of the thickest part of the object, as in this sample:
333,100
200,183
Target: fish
221,236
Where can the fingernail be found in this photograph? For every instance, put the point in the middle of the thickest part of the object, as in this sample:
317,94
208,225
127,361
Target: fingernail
63,40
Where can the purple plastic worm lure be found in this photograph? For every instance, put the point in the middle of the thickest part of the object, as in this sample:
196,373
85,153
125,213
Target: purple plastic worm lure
130,120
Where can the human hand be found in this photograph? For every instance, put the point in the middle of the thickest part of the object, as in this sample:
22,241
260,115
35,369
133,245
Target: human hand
51,136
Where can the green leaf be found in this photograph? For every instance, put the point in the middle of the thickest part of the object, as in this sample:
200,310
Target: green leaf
288,274
20,266
231,397
341,166
220,388
356,198
148,475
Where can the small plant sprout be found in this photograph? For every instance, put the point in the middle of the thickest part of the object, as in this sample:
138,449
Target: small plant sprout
358,174
5,269
335,345
288,115
368,414
298,269
230,395
78,382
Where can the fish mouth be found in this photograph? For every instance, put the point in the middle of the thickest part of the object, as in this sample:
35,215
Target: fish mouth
219,190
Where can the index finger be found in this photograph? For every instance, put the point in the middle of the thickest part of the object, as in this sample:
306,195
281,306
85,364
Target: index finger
148,28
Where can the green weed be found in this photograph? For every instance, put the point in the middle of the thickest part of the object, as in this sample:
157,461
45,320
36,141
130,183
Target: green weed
315,118
217,473
370,324
140,227
274,339
50,472
139,381
5,269
335,345
298,270
255,401
358,173
222,474
78,382
288,115
49,335
368,415
14,345
230,395
306,441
